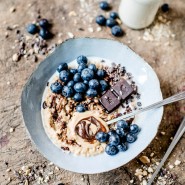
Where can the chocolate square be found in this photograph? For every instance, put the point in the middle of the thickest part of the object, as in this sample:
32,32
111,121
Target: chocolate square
122,89
110,101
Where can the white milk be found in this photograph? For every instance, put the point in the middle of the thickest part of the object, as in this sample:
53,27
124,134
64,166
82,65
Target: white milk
138,14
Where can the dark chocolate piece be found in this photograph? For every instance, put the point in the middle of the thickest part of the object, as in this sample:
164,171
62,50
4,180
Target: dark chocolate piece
122,89
110,101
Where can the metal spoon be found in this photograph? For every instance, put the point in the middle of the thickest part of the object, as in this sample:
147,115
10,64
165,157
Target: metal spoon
171,99
178,135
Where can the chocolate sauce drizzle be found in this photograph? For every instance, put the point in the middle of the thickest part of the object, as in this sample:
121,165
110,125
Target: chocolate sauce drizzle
84,131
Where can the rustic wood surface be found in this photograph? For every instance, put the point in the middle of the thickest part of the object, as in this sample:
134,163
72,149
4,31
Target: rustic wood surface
167,59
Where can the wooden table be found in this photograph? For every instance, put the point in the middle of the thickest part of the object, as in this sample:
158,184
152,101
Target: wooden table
166,56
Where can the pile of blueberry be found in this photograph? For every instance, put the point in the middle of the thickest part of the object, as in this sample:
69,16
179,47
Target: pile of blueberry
43,31
86,80
111,21
117,140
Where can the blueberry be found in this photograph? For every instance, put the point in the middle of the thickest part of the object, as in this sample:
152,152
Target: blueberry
86,82
120,132
114,139
104,5
111,150
82,59
165,7
117,31
43,23
114,15
80,108
131,138
111,22
102,137
91,93
71,83
78,97
122,124
45,34
101,20
93,84
80,87
81,67
100,73
134,129
92,67
87,74
73,71
62,66
122,147
56,87
111,132
64,76
67,91
32,29
103,85
77,77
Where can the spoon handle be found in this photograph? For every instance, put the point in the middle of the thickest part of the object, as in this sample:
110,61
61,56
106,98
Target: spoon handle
178,135
171,99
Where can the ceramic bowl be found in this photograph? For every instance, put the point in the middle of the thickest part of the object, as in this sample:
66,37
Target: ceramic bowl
144,76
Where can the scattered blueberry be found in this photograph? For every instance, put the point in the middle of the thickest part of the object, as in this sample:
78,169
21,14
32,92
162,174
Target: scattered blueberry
93,84
114,15
71,83
82,59
111,150
111,132
92,67
77,77
80,87
131,138
165,7
87,74
67,91
73,71
80,108
32,29
56,87
103,85
101,20
45,34
117,31
110,22
122,124
114,139
78,97
104,5
81,67
43,23
122,147
86,82
120,132
100,73
64,76
62,66
91,93
102,137
134,129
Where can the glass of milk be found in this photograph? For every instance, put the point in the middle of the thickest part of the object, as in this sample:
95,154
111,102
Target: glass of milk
138,14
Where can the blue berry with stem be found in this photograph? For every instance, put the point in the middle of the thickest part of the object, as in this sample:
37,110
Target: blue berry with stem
91,93
67,91
114,140
77,77
93,84
117,31
32,29
87,74
56,87
104,5
101,20
64,76
122,147
102,137
131,138
111,150
82,59
80,108
134,129
78,97
62,67
80,87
